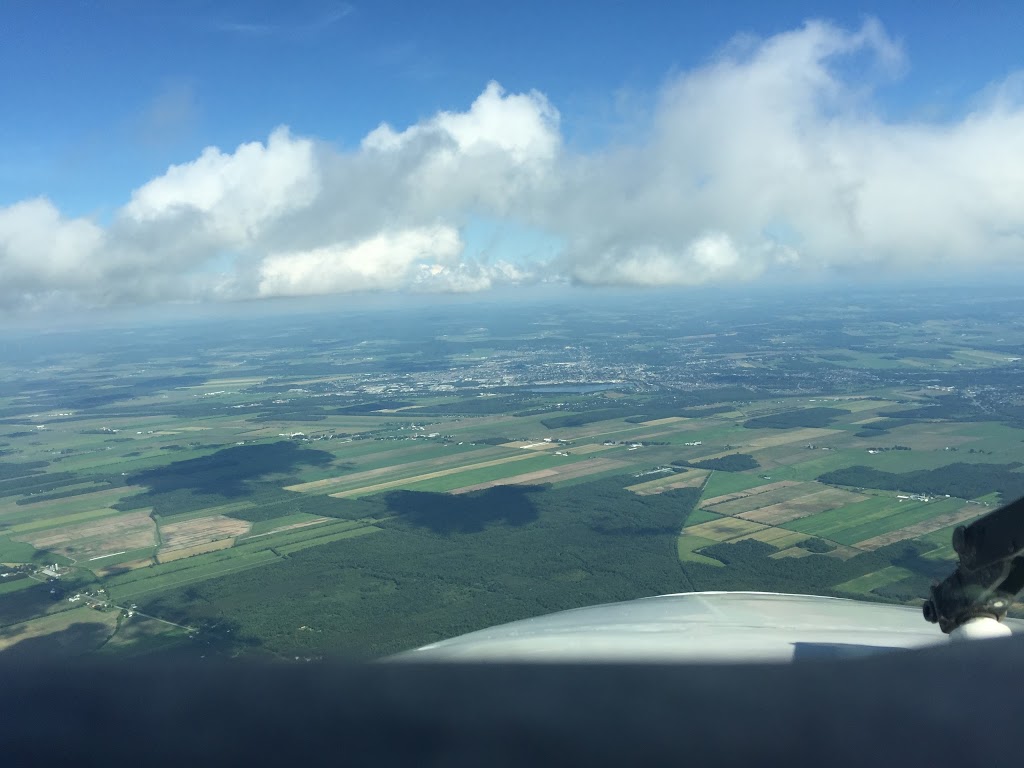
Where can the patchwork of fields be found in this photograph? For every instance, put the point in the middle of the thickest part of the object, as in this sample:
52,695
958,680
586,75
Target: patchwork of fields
141,505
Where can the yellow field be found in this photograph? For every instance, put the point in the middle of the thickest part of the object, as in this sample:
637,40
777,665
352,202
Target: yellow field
870,420
726,529
749,492
777,537
124,532
808,434
199,532
767,498
659,422
809,504
429,476
200,549
568,472
531,445
373,474
589,448
693,478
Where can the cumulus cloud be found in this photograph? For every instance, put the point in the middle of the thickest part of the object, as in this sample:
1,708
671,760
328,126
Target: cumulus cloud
234,195
385,261
771,157
42,252
786,161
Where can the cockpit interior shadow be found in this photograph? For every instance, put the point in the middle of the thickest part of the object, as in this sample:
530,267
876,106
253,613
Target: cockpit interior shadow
805,651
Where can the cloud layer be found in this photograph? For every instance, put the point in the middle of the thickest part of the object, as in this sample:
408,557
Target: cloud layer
769,158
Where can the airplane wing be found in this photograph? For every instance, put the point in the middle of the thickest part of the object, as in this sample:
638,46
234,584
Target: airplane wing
700,627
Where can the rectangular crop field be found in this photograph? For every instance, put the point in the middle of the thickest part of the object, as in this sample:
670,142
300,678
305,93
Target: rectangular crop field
874,517
818,499
290,549
83,502
863,585
149,580
198,532
777,537
392,470
724,529
408,481
945,521
757,487
691,478
765,498
551,475
81,541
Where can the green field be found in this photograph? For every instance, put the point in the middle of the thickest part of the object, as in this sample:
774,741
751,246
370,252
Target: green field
687,546
701,516
862,585
490,474
15,551
135,589
721,483
14,585
123,557
866,519
289,549
53,521
208,436
262,527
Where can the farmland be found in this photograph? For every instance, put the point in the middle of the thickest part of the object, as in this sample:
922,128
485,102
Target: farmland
385,482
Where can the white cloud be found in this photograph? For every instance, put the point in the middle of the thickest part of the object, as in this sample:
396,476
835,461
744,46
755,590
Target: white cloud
235,195
384,262
41,252
771,147
770,157
522,126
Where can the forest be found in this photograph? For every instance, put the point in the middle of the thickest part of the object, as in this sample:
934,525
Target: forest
734,462
962,480
449,565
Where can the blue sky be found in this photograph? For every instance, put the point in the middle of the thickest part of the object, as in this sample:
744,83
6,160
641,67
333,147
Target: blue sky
109,93
106,95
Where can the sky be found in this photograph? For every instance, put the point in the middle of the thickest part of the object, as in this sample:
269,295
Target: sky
214,152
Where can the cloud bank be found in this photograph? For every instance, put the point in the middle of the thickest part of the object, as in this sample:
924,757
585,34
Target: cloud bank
771,158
